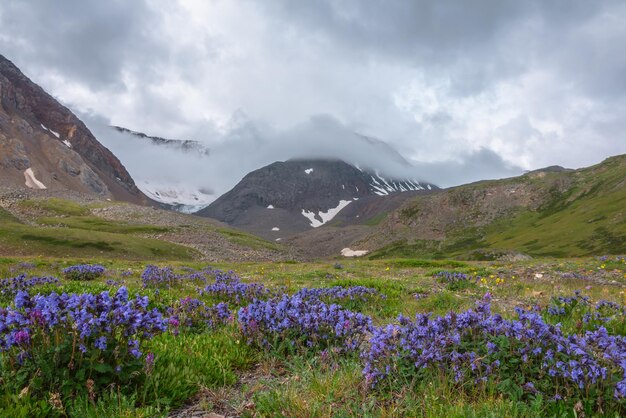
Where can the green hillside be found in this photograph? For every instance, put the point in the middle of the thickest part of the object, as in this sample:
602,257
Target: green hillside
80,236
562,214
63,228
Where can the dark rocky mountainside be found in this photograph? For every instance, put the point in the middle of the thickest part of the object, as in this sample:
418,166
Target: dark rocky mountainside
44,145
284,198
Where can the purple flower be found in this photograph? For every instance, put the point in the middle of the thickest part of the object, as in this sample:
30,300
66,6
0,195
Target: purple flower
22,337
84,272
101,343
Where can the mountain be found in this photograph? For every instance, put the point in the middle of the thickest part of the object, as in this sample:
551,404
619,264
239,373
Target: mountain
548,212
297,195
43,145
173,191
184,145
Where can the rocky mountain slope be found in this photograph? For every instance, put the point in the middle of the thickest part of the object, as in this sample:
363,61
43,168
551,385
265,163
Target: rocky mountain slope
551,212
284,198
44,145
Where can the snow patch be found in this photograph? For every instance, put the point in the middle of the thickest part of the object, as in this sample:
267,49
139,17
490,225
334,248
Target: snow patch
183,198
50,130
347,252
31,180
276,228
270,206
277,239
324,216
67,143
308,170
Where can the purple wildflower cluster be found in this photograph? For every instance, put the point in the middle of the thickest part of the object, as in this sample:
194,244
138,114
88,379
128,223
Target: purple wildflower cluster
229,287
303,323
616,259
455,280
84,272
579,307
603,312
339,293
154,276
165,277
22,266
573,275
10,286
192,314
475,346
99,327
564,305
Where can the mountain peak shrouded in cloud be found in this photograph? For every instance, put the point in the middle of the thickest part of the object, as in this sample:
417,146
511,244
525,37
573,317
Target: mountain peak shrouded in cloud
453,85
202,176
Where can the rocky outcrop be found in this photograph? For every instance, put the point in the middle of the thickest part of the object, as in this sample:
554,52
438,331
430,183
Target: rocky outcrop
38,133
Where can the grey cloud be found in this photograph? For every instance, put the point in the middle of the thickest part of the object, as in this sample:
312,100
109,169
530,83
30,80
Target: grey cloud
88,41
466,89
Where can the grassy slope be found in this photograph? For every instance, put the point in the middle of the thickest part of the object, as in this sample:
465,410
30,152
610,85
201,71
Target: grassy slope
589,218
22,239
65,228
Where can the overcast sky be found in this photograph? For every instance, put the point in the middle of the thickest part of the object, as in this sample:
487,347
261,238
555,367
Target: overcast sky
489,86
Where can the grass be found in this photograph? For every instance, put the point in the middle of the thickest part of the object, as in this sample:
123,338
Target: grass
247,240
56,206
377,219
222,373
6,217
62,228
94,223
65,242
82,236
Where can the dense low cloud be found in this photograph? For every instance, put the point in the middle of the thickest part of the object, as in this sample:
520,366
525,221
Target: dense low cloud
461,90
245,147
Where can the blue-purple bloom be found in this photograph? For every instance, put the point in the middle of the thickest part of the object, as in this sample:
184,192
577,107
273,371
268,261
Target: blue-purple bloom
84,271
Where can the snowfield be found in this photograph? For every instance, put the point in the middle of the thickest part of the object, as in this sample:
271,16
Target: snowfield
324,216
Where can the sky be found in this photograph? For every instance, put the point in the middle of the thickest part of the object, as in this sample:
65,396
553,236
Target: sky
462,90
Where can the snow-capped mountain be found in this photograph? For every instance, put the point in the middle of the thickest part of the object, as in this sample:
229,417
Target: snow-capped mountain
296,195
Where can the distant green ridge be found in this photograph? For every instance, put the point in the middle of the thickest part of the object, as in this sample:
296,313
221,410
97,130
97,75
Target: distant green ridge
568,214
